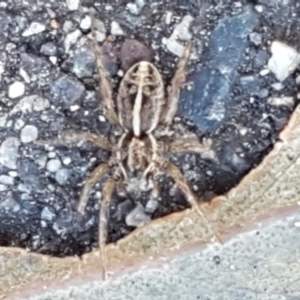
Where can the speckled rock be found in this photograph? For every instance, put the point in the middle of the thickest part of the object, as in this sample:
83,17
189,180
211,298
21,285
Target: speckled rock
67,90
9,152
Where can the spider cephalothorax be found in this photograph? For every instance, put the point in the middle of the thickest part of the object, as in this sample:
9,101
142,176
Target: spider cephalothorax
144,111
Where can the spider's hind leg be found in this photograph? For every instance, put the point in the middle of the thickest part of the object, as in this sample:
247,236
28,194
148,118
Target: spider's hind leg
107,191
181,182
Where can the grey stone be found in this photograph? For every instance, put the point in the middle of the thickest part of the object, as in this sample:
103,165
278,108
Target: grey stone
61,176
67,90
255,38
9,152
47,213
53,165
49,49
137,216
83,64
71,39
29,134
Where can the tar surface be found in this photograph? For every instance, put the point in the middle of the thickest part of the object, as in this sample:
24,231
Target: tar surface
49,84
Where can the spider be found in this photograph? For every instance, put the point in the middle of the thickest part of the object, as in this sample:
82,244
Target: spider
144,111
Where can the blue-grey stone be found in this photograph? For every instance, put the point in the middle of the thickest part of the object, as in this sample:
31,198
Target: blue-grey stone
84,64
205,103
67,90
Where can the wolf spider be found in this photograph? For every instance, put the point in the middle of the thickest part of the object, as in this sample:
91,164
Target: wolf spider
144,113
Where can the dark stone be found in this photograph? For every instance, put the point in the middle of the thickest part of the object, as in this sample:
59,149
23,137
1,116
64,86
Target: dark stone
205,104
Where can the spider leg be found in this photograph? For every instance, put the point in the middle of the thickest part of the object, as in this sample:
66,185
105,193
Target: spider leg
104,85
191,144
107,191
71,137
174,89
94,177
181,182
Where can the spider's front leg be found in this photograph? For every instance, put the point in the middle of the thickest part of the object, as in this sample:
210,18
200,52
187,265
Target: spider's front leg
74,137
192,145
174,89
104,84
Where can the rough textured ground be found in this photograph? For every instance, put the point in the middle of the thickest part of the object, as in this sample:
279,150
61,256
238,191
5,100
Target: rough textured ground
258,221
48,84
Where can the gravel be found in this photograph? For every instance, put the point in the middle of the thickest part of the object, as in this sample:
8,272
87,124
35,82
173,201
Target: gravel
239,93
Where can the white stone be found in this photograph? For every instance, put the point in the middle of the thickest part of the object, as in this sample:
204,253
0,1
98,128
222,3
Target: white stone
24,75
74,107
67,161
181,30
277,86
29,134
16,89
133,8
71,39
140,3
168,17
3,120
31,103
86,23
116,29
9,152
277,101
174,47
19,123
7,180
53,165
34,28
284,60
73,4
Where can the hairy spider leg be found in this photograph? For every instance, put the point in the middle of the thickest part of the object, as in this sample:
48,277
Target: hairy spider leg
107,191
71,137
192,145
181,182
94,177
158,161
174,88
104,84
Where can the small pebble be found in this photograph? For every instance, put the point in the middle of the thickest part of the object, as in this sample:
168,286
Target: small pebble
61,176
137,217
86,23
29,134
73,4
47,214
16,90
9,152
7,180
31,103
71,39
116,29
34,28
67,160
277,86
284,60
53,165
